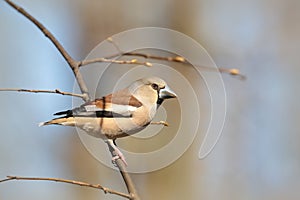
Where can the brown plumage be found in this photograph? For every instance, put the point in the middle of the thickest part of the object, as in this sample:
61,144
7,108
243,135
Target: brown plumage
120,114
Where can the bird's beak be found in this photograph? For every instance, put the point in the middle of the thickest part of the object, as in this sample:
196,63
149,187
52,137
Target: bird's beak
166,93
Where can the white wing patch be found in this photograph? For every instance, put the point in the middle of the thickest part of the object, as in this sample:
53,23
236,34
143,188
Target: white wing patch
91,108
116,108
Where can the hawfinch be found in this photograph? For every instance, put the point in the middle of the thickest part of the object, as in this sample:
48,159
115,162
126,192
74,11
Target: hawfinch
120,114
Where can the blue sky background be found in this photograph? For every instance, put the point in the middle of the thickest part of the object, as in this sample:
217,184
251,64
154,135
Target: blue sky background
257,156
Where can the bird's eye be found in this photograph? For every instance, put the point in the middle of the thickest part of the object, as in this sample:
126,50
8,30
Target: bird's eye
154,86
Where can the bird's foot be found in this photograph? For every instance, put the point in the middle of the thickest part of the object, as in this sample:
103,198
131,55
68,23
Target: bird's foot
119,155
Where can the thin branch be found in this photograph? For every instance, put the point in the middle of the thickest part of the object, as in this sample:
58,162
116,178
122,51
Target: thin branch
126,177
96,186
56,91
110,39
165,58
177,59
132,62
74,65
164,123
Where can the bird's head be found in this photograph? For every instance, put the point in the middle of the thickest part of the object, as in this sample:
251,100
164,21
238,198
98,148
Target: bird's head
151,90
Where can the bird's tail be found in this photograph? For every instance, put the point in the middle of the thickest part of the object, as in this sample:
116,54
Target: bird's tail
65,121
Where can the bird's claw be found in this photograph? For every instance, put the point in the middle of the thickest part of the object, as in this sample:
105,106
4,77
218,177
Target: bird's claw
121,157
117,154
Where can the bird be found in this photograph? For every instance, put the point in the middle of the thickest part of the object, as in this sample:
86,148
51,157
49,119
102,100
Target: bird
120,114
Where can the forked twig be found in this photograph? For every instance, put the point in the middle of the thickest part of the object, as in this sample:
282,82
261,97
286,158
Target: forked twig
177,59
74,65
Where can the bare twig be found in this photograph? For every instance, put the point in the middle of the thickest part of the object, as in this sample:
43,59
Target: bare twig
160,123
165,58
96,186
126,177
177,59
110,39
74,65
56,91
106,60
233,72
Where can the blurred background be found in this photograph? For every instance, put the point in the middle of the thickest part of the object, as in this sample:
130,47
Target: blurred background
257,156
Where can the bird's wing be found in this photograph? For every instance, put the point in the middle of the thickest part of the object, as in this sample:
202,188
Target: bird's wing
117,105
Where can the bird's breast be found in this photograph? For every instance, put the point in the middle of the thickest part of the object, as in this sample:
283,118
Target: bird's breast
117,127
